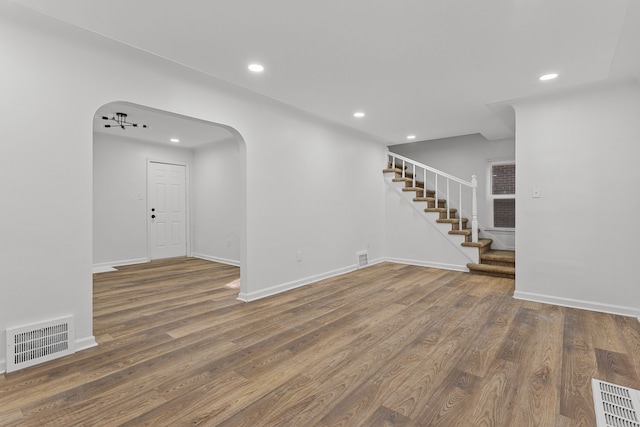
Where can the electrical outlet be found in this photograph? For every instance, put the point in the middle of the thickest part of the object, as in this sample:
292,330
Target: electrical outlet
228,243
299,256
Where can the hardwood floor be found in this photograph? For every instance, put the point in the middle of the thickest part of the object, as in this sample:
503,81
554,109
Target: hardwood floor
389,345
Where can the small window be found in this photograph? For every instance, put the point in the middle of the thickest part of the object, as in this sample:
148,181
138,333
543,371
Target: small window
502,201
503,179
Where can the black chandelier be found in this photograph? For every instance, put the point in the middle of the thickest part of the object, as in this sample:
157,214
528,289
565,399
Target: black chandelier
121,120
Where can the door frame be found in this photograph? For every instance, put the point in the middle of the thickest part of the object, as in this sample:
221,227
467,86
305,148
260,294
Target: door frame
187,203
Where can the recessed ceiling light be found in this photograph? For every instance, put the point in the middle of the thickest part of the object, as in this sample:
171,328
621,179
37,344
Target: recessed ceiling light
411,137
549,76
358,114
256,68
176,140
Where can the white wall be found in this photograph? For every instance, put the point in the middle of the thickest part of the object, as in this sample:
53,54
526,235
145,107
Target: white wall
578,244
465,156
120,195
216,200
317,190
307,185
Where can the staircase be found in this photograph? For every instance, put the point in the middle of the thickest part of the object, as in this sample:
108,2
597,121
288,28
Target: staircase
497,263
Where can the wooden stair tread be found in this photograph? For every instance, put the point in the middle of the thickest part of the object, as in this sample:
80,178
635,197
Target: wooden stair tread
409,178
429,199
412,188
481,243
465,232
493,270
392,170
451,220
452,211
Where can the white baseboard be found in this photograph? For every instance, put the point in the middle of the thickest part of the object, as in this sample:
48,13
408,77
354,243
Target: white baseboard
102,267
580,304
420,263
374,262
217,259
274,290
85,343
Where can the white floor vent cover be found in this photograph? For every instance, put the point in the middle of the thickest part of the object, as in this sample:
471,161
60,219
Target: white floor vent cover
362,259
33,344
615,406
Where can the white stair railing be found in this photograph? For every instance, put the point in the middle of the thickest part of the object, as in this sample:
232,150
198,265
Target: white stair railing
402,163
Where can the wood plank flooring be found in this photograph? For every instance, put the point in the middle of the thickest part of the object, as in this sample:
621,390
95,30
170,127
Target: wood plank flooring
389,345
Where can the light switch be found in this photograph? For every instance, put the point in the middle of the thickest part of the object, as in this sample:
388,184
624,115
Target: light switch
535,193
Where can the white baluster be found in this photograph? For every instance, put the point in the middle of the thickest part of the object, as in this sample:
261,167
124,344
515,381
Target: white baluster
424,189
414,176
474,210
403,168
448,199
436,195
460,211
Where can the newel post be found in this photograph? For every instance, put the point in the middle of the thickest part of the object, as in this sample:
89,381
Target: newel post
474,210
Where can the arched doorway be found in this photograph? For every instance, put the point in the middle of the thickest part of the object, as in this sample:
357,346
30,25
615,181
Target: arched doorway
211,158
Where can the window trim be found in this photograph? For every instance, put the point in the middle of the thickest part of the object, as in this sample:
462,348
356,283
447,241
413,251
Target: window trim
490,197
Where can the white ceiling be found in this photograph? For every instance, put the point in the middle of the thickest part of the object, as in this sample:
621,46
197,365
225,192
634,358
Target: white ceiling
161,126
432,68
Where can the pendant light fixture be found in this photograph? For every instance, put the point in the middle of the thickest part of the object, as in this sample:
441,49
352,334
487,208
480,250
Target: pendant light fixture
121,121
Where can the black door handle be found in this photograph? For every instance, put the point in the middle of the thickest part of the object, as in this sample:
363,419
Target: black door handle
153,216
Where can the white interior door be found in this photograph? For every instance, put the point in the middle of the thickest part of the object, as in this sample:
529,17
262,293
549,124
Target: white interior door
167,210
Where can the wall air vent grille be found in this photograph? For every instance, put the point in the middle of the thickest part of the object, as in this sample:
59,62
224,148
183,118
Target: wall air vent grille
615,405
33,344
362,259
